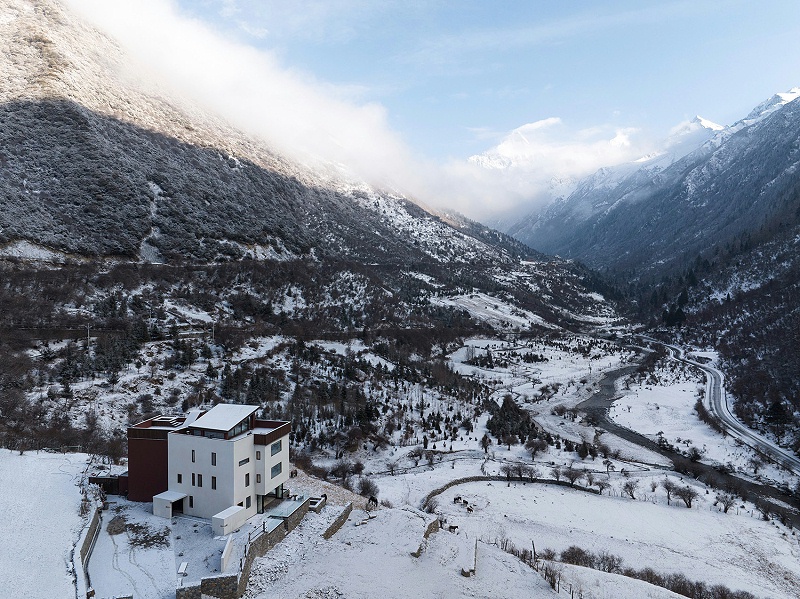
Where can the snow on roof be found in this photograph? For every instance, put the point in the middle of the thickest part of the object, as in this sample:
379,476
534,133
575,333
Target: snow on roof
223,417
228,512
170,496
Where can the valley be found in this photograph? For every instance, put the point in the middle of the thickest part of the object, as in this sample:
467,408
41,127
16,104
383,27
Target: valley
601,400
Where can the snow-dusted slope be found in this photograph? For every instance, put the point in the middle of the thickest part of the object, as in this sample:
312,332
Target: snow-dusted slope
98,161
712,184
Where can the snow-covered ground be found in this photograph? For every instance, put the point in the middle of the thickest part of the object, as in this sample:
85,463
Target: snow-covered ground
374,560
738,550
40,501
664,405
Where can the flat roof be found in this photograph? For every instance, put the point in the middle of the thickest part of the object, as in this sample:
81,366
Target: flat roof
229,511
170,496
223,417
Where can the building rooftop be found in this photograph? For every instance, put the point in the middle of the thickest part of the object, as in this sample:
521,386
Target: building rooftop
223,417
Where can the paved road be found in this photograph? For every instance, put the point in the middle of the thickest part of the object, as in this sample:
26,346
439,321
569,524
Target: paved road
718,404
599,404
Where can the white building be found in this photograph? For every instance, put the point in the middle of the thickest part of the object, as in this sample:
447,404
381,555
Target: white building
225,466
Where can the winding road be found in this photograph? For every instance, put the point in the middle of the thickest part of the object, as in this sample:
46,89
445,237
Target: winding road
598,406
718,404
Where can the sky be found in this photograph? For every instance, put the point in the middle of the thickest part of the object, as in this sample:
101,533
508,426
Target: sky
402,93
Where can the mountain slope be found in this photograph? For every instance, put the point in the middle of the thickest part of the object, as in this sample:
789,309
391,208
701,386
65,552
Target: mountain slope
657,218
98,161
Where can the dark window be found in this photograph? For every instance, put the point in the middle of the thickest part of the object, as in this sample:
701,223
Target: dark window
213,458
247,480
193,479
191,501
248,501
258,478
199,480
193,456
258,455
276,469
244,461
180,478
276,447
213,482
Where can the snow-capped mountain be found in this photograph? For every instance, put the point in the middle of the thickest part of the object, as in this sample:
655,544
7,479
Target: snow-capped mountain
96,161
712,184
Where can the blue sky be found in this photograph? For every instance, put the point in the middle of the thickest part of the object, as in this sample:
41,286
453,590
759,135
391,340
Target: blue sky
456,76
401,94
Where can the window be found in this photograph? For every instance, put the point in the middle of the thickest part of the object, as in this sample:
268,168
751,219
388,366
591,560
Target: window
244,461
258,455
193,479
193,456
213,482
199,480
247,480
276,469
276,447
180,478
213,458
248,501
258,478
191,500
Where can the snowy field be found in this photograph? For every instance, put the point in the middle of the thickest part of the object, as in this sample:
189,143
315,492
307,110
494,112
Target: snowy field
668,409
39,503
740,551
374,560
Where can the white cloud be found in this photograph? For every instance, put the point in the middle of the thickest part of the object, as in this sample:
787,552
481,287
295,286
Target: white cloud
307,118
292,111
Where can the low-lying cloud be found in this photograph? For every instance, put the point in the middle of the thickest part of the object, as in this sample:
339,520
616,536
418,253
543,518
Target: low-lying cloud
309,119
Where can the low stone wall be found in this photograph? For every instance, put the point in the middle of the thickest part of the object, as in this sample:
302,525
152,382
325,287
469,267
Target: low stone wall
504,479
339,522
85,551
192,592
86,547
433,526
233,586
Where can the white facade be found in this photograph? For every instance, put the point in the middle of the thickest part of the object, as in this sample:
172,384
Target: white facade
236,463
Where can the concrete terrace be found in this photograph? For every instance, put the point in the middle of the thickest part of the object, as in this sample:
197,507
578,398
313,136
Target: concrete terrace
140,554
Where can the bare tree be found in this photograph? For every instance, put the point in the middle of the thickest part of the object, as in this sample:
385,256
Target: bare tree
391,466
507,470
535,446
602,485
755,463
763,507
687,494
572,475
589,476
630,487
485,443
609,466
727,500
669,487
556,472
416,455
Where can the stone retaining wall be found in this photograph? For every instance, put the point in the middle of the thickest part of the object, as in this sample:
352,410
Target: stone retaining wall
504,479
339,522
433,526
233,586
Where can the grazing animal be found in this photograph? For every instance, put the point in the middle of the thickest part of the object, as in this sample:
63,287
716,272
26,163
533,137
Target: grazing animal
452,528
457,499
469,509
464,502
373,502
293,473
